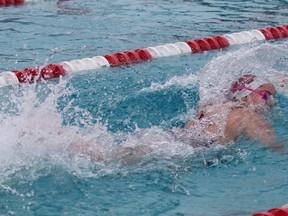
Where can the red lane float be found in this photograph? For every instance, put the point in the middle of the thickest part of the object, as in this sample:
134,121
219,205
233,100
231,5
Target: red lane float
51,71
275,32
194,46
11,2
128,57
208,43
143,54
133,56
283,211
34,74
223,42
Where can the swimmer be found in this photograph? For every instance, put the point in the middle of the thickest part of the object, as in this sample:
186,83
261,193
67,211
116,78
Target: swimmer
248,99
243,114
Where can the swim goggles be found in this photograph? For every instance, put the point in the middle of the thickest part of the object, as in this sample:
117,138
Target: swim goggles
264,94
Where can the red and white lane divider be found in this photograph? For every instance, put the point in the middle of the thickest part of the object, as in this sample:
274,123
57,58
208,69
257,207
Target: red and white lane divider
50,71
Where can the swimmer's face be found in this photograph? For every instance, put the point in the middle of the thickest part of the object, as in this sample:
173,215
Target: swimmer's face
262,98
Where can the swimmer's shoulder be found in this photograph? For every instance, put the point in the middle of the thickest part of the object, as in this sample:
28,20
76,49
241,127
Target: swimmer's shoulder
240,116
239,112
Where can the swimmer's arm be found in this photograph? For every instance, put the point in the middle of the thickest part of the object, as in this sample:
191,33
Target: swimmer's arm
189,124
85,148
256,127
125,155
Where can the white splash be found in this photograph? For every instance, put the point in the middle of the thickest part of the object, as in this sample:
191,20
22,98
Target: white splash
262,60
180,81
266,60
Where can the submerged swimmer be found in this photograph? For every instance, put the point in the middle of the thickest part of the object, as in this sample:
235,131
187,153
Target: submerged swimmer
242,114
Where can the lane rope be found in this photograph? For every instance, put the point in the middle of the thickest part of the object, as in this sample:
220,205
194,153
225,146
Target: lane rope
30,75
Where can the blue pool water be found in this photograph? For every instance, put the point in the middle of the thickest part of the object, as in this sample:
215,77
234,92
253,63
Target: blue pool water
131,106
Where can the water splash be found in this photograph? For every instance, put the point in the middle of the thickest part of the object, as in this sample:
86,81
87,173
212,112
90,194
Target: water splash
33,131
180,81
266,60
34,138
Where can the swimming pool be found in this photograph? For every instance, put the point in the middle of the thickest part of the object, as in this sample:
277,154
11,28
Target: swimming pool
131,106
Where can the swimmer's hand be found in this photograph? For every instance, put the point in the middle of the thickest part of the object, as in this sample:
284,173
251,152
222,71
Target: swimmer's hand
277,146
132,155
85,148
284,80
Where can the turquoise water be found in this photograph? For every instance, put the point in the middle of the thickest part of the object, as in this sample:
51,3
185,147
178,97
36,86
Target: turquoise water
132,106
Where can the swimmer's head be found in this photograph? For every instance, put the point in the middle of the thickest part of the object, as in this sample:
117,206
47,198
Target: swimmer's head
244,85
252,89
